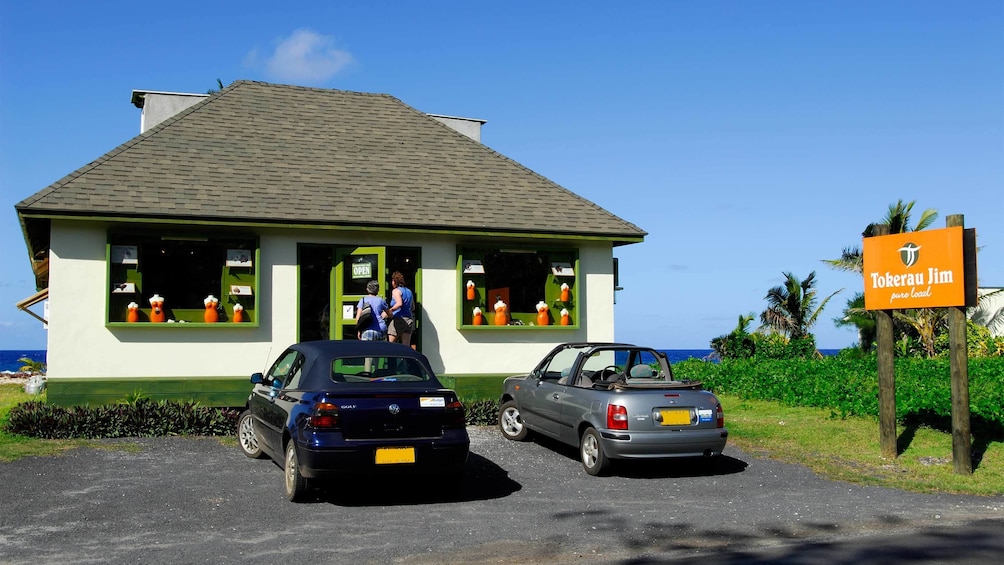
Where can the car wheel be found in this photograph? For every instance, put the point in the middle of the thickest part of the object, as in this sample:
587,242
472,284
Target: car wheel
511,423
296,485
247,439
594,461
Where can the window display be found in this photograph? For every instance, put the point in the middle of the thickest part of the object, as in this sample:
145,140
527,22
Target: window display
180,277
521,286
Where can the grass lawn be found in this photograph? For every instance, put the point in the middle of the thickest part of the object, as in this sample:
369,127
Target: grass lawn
848,449
845,449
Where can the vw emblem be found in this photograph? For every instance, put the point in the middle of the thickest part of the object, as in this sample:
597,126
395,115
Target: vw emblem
394,409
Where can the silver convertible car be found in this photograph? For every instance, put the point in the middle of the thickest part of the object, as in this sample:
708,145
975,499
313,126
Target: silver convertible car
613,401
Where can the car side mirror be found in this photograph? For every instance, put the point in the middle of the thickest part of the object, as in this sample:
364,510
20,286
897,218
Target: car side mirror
257,378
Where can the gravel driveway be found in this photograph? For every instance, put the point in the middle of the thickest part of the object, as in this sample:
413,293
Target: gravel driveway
196,500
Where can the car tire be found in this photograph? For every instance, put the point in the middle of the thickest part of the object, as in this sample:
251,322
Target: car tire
594,460
296,484
247,439
511,423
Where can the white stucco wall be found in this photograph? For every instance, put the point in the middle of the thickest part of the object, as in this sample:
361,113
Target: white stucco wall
80,345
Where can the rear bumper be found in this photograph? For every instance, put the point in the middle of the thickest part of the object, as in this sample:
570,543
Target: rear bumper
432,456
628,444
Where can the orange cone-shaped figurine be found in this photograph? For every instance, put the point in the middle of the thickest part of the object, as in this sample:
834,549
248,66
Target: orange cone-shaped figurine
565,320
542,318
470,290
133,312
157,313
211,315
500,317
565,295
238,313
479,319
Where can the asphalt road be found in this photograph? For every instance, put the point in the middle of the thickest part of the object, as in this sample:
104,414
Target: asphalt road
195,500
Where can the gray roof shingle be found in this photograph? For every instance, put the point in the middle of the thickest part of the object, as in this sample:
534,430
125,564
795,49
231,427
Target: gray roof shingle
259,152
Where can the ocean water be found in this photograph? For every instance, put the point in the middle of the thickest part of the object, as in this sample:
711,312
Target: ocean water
9,358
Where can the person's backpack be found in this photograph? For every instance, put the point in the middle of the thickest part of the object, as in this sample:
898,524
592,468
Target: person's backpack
365,315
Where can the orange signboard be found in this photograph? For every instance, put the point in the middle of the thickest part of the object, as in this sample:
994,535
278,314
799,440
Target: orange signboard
921,269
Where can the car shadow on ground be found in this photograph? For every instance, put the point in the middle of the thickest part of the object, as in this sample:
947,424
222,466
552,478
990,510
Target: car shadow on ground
656,468
483,480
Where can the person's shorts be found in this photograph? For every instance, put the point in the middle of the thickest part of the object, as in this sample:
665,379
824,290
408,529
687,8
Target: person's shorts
401,325
373,335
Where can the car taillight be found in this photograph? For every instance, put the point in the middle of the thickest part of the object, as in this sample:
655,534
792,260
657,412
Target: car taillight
719,416
324,417
617,417
456,415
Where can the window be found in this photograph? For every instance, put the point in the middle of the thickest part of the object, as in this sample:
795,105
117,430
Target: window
378,370
518,287
183,271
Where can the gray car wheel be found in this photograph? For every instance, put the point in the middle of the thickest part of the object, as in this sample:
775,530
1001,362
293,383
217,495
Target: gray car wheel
594,461
247,439
511,423
296,484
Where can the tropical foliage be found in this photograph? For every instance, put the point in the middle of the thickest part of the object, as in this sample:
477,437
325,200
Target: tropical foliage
791,307
29,365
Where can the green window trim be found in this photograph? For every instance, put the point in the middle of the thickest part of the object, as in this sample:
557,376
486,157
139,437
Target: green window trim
521,320
128,258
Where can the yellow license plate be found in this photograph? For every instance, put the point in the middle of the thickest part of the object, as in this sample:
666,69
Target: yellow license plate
392,455
675,416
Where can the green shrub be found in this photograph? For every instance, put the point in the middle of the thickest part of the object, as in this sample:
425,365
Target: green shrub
482,412
848,385
138,417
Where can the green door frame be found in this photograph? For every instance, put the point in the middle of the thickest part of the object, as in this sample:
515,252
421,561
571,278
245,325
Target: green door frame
343,296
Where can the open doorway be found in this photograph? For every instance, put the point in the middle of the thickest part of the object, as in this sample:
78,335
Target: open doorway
318,285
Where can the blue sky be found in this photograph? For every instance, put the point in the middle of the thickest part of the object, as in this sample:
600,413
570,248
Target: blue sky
747,138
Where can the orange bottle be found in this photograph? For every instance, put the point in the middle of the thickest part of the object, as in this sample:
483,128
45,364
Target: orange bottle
470,290
479,319
565,294
133,314
542,318
565,320
500,316
238,313
211,315
157,313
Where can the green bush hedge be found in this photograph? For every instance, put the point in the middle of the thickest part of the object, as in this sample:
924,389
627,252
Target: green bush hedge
142,417
146,418
849,386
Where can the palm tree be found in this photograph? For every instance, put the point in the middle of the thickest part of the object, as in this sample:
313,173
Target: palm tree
898,219
926,322
30,366
856,315
737,343
989,313
791,307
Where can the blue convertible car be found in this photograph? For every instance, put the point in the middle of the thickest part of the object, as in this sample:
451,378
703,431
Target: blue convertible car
328,408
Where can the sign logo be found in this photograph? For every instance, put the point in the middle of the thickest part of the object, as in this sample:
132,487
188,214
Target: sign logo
394,409
909,254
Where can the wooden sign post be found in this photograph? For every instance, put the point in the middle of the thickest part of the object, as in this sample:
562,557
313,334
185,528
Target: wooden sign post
925,269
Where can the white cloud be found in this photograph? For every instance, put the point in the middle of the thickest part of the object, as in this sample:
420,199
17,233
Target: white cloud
305,57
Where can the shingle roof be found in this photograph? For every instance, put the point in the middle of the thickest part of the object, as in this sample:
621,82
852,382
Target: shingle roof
305,156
